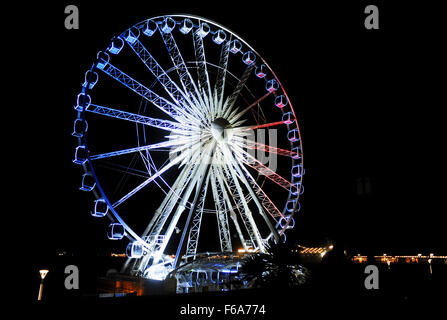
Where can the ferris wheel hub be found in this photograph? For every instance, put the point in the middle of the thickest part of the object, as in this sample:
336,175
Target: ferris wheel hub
220,129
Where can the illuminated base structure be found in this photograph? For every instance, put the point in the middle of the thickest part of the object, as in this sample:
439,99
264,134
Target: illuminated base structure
205,139
209,271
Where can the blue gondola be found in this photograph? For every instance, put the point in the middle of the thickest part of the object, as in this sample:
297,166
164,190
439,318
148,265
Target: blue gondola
88,182
134,250
79,128
80,156
281,101
149,28
293,135
168,25
115,45
186,26
115,231
288,118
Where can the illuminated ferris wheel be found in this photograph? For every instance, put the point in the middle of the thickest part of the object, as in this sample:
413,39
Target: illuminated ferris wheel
185,134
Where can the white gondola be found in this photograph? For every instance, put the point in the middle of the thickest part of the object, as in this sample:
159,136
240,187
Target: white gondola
79,128
149,28
186,26
115,231
203,30
219,36
272,85
115,46
281,101
80,156
249,58
261,71
235,46
293,135
288,118
100,209
168,25
88,182
134,250
131,35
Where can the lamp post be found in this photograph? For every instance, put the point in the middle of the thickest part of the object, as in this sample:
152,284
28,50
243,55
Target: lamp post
43,274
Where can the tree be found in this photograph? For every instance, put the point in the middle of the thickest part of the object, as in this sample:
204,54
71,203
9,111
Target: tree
279,267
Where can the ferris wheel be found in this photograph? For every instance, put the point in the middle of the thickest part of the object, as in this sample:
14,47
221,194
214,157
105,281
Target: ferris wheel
184,134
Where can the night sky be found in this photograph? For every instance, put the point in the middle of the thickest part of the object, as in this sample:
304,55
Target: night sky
368,104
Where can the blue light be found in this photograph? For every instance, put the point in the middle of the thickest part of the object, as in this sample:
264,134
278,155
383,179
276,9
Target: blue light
186,26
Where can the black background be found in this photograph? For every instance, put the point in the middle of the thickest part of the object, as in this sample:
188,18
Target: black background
369,105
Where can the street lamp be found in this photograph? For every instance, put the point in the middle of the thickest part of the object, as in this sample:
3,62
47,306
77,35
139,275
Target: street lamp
43,274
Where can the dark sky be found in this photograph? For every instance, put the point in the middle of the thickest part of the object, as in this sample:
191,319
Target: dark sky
368,103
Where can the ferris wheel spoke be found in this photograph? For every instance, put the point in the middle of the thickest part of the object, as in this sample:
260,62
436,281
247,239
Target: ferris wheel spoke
244,111
162,146
268,204
173,162
250,144
162,77
237,167
219,86
259,126
136,118
231,99
199,173
221,214
202,71
252,162
187,81
246,214
194,232
161,103
224,186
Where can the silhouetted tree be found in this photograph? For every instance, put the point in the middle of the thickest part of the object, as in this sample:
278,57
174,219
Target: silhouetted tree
279,267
